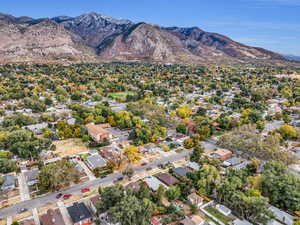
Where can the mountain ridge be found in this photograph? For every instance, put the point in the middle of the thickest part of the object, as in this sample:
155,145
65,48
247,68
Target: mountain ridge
93,37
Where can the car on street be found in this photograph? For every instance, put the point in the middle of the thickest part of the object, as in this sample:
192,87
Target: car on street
149,168
85,190
21,210
120,178
67,196
59,195
144,164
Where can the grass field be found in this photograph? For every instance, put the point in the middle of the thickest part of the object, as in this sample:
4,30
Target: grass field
70,146
122,94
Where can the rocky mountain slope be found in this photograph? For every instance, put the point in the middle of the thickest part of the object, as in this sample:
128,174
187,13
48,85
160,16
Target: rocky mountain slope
94,37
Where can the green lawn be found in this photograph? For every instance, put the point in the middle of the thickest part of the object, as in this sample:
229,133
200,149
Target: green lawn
120,94
218,215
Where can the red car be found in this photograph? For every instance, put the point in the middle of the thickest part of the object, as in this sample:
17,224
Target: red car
67,196
85,190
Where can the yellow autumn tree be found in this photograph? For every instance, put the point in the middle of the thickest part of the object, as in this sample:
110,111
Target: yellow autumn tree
132,153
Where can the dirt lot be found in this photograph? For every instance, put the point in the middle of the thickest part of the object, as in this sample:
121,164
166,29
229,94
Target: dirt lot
70,146
3,222
44,209
22,216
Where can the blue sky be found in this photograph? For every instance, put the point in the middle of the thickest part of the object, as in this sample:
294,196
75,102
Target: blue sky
272,24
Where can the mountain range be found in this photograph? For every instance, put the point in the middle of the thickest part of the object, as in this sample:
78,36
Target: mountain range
93,37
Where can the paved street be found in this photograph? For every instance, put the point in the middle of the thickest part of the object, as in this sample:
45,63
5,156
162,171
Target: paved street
51,198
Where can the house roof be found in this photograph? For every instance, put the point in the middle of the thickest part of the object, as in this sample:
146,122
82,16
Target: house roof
241,222
9,180
233,161
96,129
181,171
197,219
193,165
186,221
282,216
38,126
79,212
195,197
167,179
96,161
222,152
31,175
155,220
52,217
153,183
134,186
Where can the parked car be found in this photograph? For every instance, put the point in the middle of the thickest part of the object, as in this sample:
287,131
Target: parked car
144,164
149,168
21,210
59,195
67,196
120,178
85,190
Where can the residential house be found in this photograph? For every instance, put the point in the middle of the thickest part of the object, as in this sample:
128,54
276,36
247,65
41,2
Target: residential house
223,209
242,165
134,186
52,217
193,165
181,171
98,132
241,222
232,161
80,214
198,220
153,183
195,199
221,154
282,216
9,182
155,220
167,179
95,161
31,176
37,128
194,220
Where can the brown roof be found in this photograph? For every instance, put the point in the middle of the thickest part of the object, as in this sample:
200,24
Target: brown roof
222,152
195,197
197,219
134,186
52,217
167,179
95,129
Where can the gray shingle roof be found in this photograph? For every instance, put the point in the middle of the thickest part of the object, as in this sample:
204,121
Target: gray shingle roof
79,212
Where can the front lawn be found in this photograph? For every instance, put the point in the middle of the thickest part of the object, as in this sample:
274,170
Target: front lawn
218,215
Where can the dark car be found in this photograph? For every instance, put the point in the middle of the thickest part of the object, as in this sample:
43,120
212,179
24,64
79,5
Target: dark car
120,178
149,168
21,210
59,195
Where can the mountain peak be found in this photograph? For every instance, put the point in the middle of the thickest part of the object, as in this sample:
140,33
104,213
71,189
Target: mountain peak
103,37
